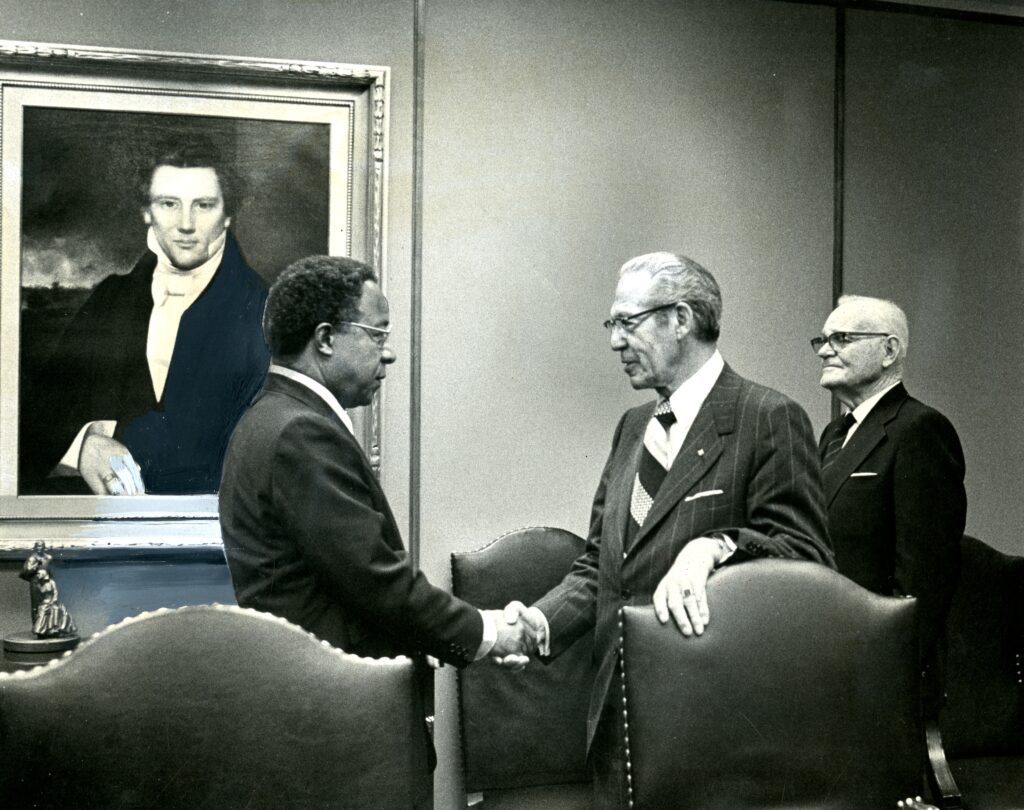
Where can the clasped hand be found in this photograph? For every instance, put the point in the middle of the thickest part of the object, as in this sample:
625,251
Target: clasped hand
521,633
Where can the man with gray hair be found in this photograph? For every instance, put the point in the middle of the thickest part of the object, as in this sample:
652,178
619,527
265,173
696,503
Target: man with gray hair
715,471
893,471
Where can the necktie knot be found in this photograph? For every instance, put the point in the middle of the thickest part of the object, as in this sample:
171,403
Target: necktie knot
663,413
835,443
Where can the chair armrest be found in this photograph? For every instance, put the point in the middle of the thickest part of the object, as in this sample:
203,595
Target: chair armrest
939,774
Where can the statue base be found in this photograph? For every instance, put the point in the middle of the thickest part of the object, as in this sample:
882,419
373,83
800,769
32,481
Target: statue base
30,643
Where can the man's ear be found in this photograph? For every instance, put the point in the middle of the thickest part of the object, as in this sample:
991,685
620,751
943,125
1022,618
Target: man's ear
684,319
227,223
323,338
892,350
147,217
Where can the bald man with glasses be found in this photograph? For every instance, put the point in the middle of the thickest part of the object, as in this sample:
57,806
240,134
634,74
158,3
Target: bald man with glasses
893,472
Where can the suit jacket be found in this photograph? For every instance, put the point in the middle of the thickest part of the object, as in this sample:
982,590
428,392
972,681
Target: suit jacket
99,371
309,536
897,507
747,469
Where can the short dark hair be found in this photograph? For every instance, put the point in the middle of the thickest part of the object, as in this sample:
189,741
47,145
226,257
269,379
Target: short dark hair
311,291
196,152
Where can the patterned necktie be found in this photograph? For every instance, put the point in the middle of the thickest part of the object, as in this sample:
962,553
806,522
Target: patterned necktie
653,467
835,443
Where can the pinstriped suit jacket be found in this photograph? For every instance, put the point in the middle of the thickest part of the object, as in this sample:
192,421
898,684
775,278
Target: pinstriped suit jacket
752,443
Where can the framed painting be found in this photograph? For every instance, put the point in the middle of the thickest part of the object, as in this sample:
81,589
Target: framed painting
131,179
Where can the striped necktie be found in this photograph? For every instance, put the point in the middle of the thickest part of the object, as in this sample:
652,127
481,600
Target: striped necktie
835,443
653,467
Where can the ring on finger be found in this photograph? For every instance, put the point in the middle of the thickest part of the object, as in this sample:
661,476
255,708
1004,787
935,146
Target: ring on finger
110,476
687,593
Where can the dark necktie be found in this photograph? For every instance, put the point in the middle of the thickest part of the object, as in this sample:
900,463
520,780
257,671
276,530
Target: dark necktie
835,443
653,467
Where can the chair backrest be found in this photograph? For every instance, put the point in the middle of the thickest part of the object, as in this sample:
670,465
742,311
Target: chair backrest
984,710
527,728
211,707
803,692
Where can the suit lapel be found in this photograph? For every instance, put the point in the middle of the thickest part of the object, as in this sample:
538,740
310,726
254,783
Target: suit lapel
277,383
867,437
701,449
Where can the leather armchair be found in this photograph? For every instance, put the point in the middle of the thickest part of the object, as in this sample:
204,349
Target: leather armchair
212,707
977,748
803,692
524,734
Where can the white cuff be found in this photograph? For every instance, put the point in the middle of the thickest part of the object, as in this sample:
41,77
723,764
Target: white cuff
728,548
490,637
69,461
544,648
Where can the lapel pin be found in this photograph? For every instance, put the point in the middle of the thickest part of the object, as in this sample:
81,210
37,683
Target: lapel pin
700,452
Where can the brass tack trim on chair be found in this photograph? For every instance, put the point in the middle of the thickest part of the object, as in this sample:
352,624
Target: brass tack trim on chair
625,709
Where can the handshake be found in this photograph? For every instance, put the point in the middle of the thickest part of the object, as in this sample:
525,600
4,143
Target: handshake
522,632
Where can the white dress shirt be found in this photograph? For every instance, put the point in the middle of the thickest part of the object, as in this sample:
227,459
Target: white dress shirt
687,399
861,412
173,292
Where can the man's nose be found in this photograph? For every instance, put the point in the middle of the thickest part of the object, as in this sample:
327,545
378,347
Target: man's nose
825,350
187,219
387,356
617,338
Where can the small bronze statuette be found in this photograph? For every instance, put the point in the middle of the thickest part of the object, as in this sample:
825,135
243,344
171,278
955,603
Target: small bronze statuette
53,629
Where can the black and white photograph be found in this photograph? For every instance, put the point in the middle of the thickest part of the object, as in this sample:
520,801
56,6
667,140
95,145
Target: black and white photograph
522,405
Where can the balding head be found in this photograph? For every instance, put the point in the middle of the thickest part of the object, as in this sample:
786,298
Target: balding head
881,315
868,345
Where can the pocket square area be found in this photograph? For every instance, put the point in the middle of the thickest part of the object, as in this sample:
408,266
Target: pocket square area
705,494
864,475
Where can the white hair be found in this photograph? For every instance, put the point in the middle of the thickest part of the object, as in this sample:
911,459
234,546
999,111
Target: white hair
679,278
886,314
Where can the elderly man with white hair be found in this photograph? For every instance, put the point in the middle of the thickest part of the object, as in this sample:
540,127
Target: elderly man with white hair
893,472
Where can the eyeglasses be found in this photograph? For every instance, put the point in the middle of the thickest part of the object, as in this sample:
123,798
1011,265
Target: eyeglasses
627,323
377,334
840,340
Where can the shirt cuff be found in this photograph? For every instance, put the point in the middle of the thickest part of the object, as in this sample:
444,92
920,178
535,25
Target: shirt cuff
490,636
728,547
544,647
69,461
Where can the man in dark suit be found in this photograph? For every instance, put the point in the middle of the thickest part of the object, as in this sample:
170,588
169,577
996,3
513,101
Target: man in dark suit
306,527
717,471
154,371
893,471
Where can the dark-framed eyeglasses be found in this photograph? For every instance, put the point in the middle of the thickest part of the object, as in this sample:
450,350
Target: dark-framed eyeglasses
840,340
377,334
627,323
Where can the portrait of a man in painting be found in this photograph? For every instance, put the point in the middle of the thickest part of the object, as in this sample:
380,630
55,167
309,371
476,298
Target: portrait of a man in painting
148,241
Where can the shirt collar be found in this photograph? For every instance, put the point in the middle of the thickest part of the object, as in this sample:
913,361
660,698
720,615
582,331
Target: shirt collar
861,411
170,280
692,393
318,389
